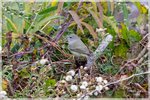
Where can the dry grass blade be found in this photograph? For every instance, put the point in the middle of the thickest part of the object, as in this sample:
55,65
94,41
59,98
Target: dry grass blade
95,16
91,30
76,19
60,7
100,8
112,6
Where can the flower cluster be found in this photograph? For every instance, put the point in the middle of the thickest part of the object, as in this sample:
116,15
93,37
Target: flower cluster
78,83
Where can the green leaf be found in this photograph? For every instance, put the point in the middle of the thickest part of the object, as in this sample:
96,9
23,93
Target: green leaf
24,73
125,34
121,50
134,36
125,12
39,24
50,82
119,93
15,48
11,26
141,8
48,10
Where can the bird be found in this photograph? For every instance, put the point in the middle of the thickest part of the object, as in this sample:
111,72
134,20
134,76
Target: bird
76,46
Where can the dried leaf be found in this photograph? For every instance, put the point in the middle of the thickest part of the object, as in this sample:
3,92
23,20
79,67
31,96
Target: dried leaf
9,40
76,19
95,16
100,8
112,3
91,30
60,7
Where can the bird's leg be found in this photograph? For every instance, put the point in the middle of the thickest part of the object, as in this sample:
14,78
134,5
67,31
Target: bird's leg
91,71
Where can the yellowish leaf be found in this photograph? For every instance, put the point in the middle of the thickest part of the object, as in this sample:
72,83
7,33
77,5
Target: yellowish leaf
54,3
4,84
94,5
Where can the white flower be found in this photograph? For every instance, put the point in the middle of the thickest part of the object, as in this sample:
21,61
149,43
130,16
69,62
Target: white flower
86,75
3,93
106,88
105,81
71,72
74,88
63,81
81,67
69,78
86,68
78,95
99,88
82,87
95,93
43,61
101,29
99,79
84,83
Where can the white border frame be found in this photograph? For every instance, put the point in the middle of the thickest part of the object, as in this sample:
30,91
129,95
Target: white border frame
76,1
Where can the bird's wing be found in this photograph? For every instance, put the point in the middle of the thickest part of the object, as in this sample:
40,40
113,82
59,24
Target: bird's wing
77,48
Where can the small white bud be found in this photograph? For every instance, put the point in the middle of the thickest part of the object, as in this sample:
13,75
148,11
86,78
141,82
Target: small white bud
82,87
63,81
99,88
106,88
95,93
3,93
101,29
71,72
69,78
30,39
99,79
86,75
78,95
81,67
12,13
105,81
74,88
86,68
43,61
84,83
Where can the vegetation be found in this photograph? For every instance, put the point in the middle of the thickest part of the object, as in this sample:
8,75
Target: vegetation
36,61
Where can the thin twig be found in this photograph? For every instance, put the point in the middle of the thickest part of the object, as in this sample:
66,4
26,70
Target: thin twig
148,72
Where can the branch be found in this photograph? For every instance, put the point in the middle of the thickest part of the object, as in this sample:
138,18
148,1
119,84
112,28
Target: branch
148,72
93,57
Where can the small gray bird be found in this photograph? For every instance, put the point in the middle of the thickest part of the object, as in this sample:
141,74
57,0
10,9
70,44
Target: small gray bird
76,46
